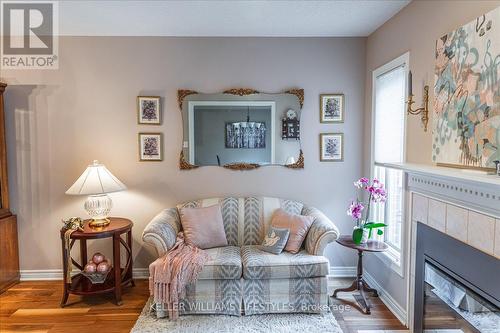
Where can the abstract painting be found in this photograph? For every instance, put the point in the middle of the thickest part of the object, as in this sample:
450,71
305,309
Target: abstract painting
466,120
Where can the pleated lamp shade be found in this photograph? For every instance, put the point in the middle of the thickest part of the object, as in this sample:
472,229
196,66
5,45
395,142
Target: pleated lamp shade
96,179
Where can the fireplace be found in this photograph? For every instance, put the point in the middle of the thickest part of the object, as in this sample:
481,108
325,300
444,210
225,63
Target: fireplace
457,287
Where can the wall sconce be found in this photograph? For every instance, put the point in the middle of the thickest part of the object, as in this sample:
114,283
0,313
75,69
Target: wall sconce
424,111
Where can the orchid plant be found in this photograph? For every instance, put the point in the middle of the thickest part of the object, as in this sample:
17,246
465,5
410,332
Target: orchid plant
376,194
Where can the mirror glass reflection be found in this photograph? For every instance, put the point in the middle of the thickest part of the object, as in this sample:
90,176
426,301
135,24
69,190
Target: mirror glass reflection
225,129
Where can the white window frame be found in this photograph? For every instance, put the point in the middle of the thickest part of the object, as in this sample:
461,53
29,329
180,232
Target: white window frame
396,260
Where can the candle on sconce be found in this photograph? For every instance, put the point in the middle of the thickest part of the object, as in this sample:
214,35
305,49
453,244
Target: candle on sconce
410,79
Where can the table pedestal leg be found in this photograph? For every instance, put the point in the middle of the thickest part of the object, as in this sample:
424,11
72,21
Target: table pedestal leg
367,288
117,269
353,287
65,267
360,285
129,243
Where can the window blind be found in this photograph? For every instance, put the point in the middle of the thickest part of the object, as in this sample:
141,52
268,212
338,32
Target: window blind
389,116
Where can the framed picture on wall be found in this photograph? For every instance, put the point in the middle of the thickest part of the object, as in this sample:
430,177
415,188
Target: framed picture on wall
331,108
150,146
331,147
148,110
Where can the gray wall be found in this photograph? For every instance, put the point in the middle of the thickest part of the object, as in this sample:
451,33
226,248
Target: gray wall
210,135
59,121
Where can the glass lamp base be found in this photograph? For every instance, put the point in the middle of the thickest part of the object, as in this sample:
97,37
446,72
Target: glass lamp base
98,207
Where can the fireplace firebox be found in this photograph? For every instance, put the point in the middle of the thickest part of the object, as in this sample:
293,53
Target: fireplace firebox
457,287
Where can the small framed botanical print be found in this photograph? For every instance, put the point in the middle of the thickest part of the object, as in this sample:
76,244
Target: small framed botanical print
148,110
331,108
150,147
331,147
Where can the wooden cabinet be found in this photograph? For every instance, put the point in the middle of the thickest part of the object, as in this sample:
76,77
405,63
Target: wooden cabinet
9,258
9,252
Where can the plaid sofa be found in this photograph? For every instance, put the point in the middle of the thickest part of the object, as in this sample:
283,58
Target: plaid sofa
240,278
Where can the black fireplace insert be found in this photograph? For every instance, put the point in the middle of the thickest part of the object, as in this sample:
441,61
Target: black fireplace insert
457,287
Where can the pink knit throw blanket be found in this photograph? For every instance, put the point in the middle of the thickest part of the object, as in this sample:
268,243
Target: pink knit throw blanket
169,275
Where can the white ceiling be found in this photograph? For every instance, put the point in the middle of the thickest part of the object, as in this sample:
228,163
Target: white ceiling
225,17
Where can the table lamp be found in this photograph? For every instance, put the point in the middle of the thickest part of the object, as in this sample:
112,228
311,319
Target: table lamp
96,181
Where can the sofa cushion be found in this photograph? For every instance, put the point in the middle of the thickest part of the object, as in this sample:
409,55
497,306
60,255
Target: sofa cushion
275,240
298,224
258,264
203,226
224,263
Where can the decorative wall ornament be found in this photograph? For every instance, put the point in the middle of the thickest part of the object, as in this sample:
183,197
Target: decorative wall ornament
299,164
185,165
183,93
331,109
423,111
241,166
299,93
466,118
241,91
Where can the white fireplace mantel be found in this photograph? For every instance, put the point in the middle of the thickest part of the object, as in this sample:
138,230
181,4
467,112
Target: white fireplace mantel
472,189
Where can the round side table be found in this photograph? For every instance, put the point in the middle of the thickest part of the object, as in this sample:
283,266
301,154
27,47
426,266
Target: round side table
360,284
117,277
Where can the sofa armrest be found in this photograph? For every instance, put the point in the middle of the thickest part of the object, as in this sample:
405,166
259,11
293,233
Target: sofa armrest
162,231
322,232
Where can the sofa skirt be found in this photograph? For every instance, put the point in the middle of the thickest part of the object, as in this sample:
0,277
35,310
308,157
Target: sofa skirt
304,295
251,297
209,297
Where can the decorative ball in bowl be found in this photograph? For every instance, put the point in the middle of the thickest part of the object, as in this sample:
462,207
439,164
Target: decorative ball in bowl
97,269
98,257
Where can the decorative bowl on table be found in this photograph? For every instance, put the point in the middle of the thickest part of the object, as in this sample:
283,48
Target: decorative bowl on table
97,269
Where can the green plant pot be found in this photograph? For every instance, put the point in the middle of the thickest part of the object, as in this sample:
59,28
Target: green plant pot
360,236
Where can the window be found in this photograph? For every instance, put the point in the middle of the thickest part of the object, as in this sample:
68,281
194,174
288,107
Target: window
388,146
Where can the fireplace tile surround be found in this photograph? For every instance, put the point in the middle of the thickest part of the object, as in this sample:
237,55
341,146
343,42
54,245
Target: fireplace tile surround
475,229
464,205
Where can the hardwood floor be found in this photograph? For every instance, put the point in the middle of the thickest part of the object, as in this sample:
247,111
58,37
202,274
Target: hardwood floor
351,319
33,307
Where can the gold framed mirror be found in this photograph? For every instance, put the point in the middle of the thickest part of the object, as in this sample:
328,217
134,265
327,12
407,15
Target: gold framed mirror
241,129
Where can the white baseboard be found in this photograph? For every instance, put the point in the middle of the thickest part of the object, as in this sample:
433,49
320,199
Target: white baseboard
41,274
57,274
387,299
342,271
140,273
143,273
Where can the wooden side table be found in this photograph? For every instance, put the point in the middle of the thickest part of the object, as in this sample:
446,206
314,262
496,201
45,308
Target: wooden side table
117,277
360,284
